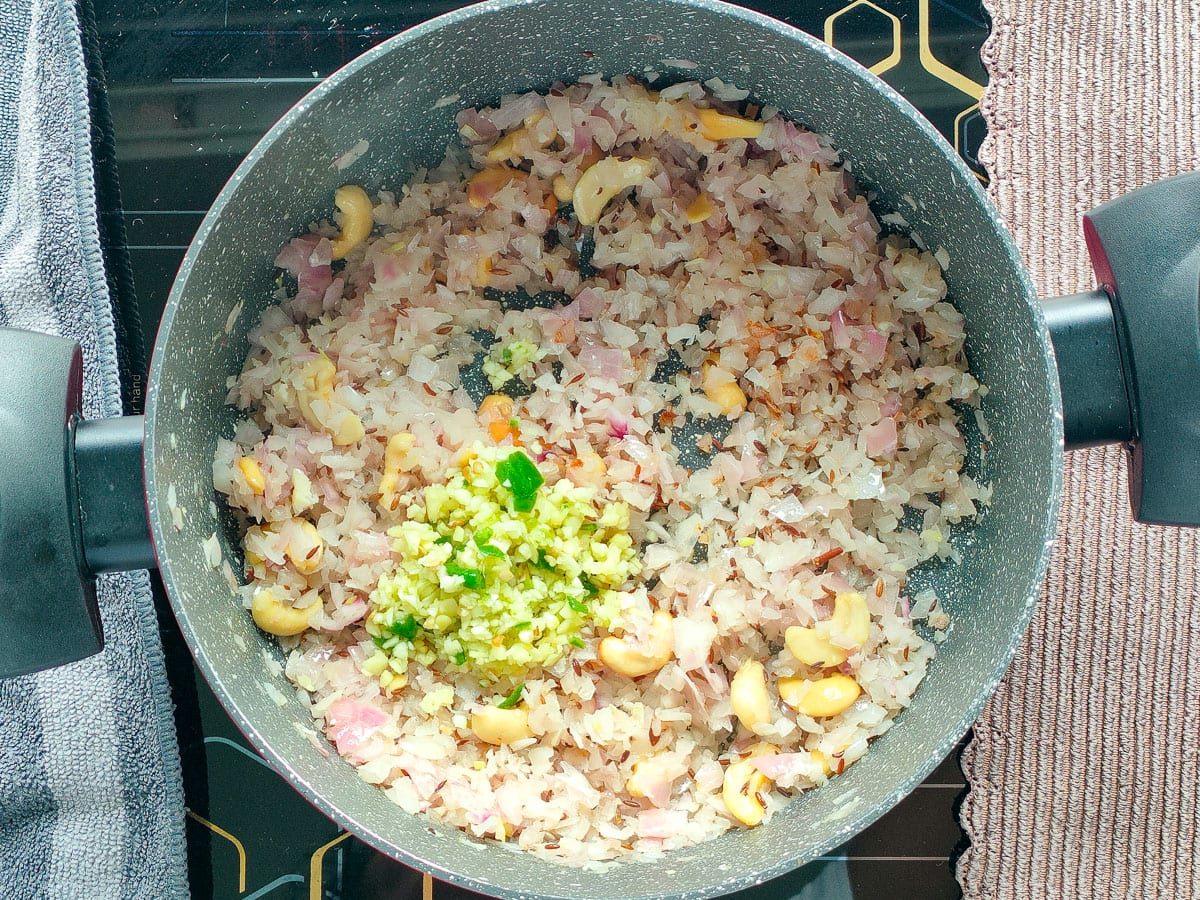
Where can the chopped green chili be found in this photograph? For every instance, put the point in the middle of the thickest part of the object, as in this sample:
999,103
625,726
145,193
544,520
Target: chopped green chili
576,642
578,605
512,699
522,477
472,578
481,541
406,628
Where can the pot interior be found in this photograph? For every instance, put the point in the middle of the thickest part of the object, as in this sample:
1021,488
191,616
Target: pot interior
402,98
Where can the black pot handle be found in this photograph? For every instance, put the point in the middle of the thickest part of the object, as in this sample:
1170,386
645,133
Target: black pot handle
1129,352
71,505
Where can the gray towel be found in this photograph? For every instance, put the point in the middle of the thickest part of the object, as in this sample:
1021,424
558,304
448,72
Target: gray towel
91,801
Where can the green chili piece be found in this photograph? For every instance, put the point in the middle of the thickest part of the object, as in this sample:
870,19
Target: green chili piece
481,541
522,477
576,642
512,699
472,578
406,628
578,605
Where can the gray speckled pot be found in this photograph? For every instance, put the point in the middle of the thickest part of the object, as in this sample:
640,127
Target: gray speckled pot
402,97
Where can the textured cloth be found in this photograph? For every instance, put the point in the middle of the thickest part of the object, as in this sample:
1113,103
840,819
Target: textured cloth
91,800
1083,771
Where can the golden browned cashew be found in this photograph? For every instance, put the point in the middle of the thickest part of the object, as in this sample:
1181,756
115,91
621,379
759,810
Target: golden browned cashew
355,206
317,384
494,725
253,474
699,209
645,772
748,694
274,616
718,126
538,135
742,788
605,180
396,458
305,548
627,659
823,697
721,387
303,495
850,623
484,184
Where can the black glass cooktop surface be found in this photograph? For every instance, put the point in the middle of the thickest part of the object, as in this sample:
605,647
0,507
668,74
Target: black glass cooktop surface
191,86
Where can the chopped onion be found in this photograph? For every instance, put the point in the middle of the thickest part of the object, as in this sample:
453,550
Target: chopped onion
590,302
422,370
514,112
874,346
839,330
601,362
788,509
880,439
618,427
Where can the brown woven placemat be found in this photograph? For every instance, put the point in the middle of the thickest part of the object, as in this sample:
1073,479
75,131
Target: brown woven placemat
1084,772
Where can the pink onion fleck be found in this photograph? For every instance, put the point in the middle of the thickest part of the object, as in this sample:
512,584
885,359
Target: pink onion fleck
350,724
617,426
880,439
839,329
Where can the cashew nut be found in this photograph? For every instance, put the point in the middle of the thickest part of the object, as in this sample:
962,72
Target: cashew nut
700,209
563,189
721,387
355,206
717,126
316,383
822,760
349,430
743,785
534,131
634,661
396,458
274,616
645,773
485,183
494,725
303,495
819,699
851,620
253,474
812,647
305,547
849,625
605,180
748,694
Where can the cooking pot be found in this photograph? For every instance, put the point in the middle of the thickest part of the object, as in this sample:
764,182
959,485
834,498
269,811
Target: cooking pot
71,493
